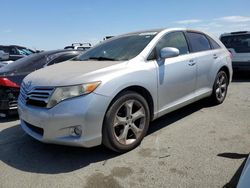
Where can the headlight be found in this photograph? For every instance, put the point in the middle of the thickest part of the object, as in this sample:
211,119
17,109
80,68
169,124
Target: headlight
67,92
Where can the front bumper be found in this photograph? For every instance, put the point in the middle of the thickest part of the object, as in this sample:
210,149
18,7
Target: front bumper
55,125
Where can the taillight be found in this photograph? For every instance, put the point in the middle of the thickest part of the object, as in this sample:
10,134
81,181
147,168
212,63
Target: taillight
7,83
231,54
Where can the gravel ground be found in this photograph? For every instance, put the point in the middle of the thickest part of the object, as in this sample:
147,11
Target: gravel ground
197,146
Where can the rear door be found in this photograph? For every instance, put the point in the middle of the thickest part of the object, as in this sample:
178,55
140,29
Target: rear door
205,57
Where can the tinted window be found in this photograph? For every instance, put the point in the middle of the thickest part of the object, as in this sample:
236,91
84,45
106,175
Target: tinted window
198,42
13,51
240,43
121,48
213,43
5,49
175,40
62,58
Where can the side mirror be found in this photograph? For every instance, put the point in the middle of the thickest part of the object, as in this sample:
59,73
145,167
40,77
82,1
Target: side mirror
169,52
4,56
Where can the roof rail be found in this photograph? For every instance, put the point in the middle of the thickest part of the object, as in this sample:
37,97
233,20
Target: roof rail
81,44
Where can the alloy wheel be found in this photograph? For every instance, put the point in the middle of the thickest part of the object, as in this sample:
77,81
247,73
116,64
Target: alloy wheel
221,87
129,122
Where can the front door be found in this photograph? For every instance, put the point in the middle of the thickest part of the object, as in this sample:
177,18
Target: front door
177,75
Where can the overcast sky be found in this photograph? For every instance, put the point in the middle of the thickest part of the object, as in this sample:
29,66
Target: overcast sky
53,24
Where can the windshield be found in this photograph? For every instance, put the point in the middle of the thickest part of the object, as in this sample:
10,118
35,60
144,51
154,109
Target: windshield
118,49
240,43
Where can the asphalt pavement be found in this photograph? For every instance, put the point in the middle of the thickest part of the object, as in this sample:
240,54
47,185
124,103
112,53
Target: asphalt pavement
197,146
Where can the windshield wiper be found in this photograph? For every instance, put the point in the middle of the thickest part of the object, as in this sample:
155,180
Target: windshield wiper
102,59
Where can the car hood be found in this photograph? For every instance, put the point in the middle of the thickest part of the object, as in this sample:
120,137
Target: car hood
72,73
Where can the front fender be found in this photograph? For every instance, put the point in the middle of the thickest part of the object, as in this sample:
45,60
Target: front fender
143,75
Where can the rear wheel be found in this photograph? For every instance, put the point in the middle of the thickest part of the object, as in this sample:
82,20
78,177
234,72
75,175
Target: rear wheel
126,122
220,88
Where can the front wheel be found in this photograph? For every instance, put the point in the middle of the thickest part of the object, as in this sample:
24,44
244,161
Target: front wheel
220,88
126,122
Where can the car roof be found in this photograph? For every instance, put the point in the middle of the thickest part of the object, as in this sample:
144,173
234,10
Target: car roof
51,52
13,46
156,31
144,31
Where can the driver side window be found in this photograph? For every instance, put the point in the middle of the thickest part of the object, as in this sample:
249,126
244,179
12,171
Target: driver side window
175,40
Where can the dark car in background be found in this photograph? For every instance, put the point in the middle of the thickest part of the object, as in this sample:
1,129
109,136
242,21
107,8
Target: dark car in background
11,75
238,43
16,52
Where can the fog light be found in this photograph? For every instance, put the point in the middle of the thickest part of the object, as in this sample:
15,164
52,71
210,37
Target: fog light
78,131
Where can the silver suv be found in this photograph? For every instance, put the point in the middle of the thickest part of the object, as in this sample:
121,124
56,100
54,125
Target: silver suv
238,43
112,92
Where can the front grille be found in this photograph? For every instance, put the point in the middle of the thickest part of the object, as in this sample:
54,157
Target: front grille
12,105
35,129
38,96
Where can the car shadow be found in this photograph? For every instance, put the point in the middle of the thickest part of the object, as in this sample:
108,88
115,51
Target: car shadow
241,76
22,152
175,116
236,177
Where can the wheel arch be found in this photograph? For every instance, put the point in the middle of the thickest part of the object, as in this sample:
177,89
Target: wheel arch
226,69
143,92
140,90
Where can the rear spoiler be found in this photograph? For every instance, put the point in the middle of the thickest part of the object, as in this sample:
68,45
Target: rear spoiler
239,32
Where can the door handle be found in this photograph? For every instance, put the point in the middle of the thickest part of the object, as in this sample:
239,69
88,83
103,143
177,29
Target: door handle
215,56
191,62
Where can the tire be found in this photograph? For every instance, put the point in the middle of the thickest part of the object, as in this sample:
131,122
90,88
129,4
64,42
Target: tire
126,122
220,88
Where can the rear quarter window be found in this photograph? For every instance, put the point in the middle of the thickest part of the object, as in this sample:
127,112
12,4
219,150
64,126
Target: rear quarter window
213,43
198,42
62,58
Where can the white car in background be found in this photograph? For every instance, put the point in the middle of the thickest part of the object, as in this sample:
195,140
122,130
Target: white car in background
79,46
238,43
4,59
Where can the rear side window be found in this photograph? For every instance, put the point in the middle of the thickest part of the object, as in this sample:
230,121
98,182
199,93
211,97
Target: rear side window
175,40
198,42
13,51
62,58
5,49
213,43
